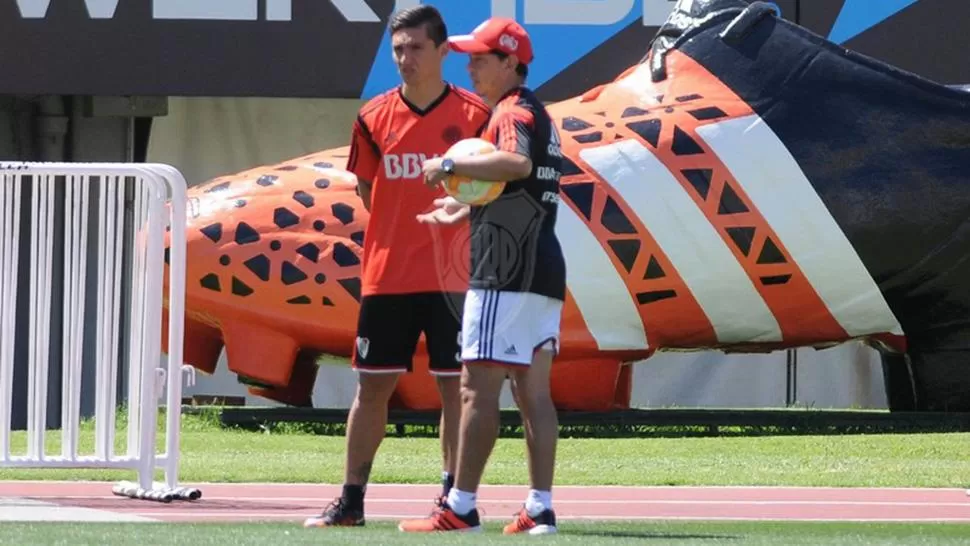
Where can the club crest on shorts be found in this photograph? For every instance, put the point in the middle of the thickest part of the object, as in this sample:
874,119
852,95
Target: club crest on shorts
363,345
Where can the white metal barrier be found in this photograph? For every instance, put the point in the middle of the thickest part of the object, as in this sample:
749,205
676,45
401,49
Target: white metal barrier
124,204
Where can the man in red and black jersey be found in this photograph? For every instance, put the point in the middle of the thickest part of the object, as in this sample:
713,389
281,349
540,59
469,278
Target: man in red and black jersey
514,303
402,292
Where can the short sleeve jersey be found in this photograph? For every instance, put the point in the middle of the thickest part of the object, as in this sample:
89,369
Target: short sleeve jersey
514,244
391,139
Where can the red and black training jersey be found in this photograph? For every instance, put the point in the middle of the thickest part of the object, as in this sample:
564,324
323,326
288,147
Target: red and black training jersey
514,244
390,141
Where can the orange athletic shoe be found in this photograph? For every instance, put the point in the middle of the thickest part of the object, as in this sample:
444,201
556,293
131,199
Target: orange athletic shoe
543,524
443,519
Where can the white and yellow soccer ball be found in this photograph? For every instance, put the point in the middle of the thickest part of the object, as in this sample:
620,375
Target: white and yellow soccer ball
467,190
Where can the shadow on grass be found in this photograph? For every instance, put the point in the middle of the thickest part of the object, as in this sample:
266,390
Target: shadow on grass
607,533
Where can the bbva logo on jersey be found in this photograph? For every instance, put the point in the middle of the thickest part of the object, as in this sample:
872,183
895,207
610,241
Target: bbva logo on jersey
406,165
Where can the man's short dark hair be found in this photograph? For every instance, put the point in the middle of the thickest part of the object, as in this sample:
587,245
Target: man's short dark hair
521,69
424,15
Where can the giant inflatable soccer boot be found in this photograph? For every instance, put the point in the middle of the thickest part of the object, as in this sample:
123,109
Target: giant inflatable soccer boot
746,186
273,276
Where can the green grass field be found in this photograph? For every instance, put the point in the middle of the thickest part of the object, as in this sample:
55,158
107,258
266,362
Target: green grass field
585,533
213,454
285,454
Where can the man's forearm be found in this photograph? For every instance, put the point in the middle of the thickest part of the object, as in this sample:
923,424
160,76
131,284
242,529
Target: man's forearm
364,189
499,166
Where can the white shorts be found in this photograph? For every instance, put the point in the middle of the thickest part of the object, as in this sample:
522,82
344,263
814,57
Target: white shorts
508,327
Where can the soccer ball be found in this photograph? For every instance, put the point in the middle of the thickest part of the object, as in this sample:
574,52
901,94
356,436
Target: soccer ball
467,190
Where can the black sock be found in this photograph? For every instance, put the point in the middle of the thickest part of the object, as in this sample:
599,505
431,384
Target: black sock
354,495
447,482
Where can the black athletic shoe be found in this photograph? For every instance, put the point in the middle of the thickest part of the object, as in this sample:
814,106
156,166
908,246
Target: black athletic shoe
337,514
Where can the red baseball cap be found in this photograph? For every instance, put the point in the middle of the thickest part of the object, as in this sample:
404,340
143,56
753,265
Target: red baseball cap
500,33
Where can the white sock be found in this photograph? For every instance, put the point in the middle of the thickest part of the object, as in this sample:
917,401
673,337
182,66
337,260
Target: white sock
537,501
461,502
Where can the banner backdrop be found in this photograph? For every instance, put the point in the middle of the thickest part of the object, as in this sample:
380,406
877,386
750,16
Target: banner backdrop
340,48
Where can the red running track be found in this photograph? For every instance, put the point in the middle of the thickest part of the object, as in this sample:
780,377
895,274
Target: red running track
294,502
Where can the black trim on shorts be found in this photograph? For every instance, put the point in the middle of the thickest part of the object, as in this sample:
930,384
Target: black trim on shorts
555,344
498,362
487,324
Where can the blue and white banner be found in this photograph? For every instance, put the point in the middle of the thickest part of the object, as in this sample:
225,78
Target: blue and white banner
340,48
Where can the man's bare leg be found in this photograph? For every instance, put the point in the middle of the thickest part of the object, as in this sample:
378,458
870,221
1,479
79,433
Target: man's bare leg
541,424
450,389
481,387
366,425
540,419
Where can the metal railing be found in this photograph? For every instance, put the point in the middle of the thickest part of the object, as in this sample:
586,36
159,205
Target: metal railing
90,296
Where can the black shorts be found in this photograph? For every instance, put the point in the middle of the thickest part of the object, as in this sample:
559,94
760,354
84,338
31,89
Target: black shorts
389,327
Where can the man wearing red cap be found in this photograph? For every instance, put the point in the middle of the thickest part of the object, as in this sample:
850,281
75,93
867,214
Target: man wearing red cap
510,326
